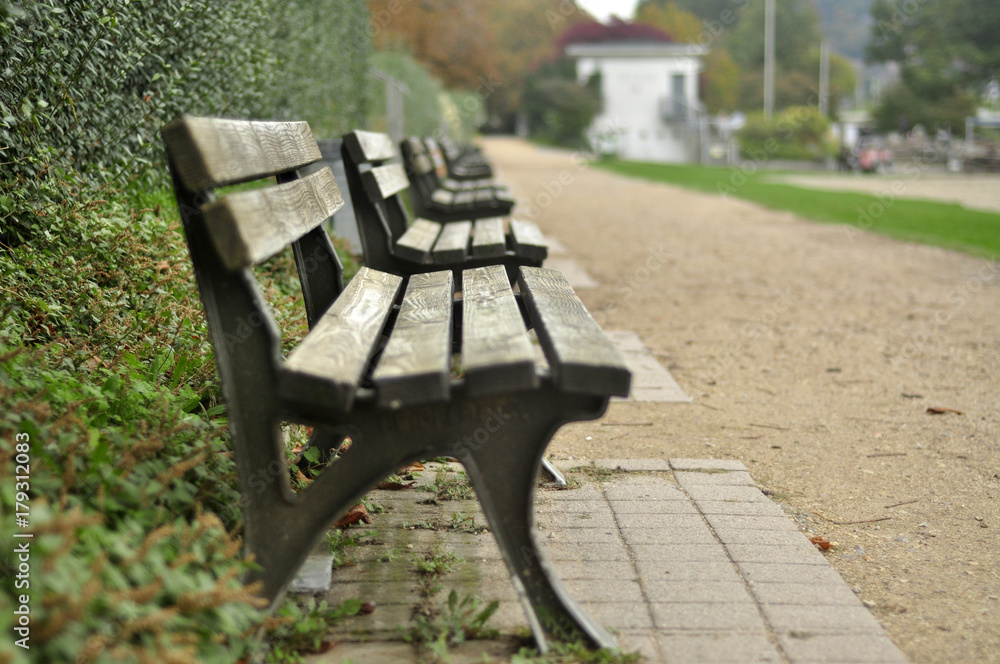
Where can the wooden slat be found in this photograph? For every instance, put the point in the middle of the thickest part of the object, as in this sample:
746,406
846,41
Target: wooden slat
488,238
251,226
415,366
496,351
453,244
382,182
213,152
581,356
443,197
369,146
421,164
418,240
330,362
527,240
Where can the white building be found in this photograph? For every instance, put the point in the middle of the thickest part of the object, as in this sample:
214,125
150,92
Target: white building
650,93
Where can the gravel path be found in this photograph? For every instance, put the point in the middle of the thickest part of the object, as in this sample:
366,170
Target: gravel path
813,353
979,192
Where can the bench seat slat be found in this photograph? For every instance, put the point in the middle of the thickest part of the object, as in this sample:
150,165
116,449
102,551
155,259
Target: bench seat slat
415,366
496,351
528,241
382,182
488,238
418,240
452,246
444,197
329,364
581,357
251,226
214,152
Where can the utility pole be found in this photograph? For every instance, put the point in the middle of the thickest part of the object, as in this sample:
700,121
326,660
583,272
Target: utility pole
824,78
768,58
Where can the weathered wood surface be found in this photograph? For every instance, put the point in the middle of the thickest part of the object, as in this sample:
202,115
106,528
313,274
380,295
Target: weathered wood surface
382,182
251,226
214,152
496,351
415,366
330,362
488,238
370,146
527,240
581,357
453,244
418,240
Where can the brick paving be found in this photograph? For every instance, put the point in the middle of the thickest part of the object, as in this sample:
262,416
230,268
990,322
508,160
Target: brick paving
686,561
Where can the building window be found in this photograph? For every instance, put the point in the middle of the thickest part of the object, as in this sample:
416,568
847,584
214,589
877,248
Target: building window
679,108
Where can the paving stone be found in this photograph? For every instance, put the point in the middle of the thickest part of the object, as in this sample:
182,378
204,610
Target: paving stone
707,616
380,592
785,618
576,518
548,505
805,594
771,572
590,551
385,622
586,492
634,465
315,574
697,592
787,553
607,570
671,570
653,506
369,653
697,535
721,648
585,590
509,616
646,491
552,535
833,649
644,520
643,642
746,522
768,537
741,508
700,492
706,464
619,615
709,553
717,478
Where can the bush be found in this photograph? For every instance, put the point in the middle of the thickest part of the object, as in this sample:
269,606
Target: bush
422,110
798,132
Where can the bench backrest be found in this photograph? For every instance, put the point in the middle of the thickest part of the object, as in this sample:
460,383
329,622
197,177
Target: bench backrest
228,234
377,181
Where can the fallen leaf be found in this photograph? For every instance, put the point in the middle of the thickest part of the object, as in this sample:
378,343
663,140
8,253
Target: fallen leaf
299,475
367,607
354,515
940,410
389,485
412,468
821,542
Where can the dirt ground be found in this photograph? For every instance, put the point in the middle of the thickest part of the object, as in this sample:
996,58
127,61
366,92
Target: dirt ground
813,353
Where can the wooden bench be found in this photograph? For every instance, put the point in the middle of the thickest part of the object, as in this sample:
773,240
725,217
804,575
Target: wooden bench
456,201
377,363
464,162
393,243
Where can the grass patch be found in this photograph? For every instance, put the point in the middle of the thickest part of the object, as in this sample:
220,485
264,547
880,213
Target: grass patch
941,224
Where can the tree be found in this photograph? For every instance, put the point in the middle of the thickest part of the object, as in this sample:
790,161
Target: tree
947,51
682,25
708,10
796,27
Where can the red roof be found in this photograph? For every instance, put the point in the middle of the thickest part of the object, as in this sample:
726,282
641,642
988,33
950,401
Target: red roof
616,30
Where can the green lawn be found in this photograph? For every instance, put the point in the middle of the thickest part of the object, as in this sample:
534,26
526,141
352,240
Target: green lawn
942,224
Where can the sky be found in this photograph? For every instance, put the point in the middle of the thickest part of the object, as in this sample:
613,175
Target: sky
603,9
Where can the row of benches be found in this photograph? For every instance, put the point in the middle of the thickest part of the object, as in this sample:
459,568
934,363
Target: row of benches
411,359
